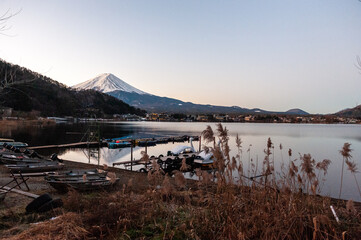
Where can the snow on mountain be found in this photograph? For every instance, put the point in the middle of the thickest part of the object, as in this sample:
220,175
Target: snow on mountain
106,83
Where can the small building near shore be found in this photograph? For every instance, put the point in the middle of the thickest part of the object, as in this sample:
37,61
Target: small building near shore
6,112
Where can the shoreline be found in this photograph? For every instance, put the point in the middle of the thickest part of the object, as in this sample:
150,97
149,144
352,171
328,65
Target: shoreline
45,121
136,183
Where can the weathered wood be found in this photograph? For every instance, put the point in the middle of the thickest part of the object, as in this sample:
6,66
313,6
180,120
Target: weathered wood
78,144
22,192
36,174
134,162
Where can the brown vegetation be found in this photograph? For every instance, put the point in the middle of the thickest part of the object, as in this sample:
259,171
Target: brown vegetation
216,207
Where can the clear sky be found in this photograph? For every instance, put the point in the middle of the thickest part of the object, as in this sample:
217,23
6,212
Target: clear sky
273,55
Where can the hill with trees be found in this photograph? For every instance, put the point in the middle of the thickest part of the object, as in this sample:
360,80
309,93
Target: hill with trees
28,91
350,112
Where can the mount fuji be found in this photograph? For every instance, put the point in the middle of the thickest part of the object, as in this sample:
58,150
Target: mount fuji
106,83
112,85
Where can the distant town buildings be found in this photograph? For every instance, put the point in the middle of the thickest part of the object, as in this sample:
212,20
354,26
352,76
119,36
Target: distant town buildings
8,113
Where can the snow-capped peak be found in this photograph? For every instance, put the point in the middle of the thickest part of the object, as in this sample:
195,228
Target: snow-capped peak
107,82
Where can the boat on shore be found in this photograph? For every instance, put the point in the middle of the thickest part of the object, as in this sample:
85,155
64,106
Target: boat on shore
12,142
89,180
82,185
10,158
77,174
11,155
35,167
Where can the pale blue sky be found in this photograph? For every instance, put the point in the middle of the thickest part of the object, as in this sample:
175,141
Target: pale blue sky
274,55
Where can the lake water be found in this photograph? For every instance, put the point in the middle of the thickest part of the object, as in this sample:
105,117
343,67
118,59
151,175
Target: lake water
321,141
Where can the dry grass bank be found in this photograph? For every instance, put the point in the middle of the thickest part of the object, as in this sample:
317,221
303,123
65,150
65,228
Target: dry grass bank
282,205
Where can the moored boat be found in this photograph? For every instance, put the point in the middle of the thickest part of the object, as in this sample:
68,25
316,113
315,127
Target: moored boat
119,144
144,143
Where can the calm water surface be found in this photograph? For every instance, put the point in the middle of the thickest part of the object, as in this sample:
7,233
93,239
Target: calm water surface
321,141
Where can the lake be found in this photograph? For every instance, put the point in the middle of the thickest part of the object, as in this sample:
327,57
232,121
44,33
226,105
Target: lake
321,141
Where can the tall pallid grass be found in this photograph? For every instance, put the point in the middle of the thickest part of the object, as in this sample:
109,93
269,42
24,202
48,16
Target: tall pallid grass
267,167
238,157
346,155
352,167
208,135
175,208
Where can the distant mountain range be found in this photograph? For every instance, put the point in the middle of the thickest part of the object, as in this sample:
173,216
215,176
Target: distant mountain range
112,85
350,112
28,91
25,90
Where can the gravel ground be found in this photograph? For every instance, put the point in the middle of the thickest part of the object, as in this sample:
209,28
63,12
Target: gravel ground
13,217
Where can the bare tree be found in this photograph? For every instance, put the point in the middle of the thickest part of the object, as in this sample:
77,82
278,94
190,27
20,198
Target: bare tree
358,62
3,20
9,75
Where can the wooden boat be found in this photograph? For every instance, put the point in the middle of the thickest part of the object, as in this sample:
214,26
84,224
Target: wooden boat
143,143
16,158
82,184
11,142
35,167
77,174
162,140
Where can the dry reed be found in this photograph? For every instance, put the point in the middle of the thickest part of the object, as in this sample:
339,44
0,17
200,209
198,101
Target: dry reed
217,207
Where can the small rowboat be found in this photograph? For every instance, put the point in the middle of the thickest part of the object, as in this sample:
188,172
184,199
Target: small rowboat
86,182
16,158
35,167
77,174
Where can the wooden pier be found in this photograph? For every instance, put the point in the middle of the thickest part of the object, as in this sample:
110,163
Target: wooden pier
134,162
70,145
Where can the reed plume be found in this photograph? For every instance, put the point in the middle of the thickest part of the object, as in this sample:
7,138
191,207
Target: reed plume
308,168
184,167
346,154
208,134
145,157
352,167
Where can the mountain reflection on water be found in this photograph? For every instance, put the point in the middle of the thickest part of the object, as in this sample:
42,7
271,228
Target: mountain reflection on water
321,141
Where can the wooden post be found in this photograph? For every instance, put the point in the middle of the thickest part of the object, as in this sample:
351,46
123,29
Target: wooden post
131,155
200,143
146,145
99,152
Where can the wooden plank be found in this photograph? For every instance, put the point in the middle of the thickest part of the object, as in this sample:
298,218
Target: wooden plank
38,174
22,192
78,144
129,162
